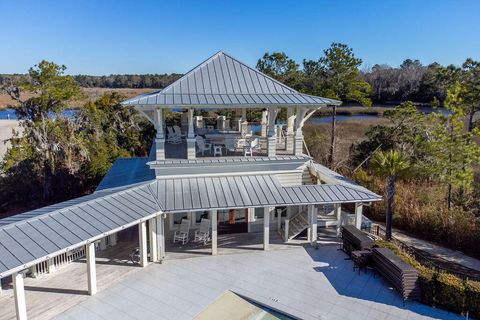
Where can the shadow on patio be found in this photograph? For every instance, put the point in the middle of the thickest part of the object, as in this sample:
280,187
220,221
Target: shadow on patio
227,244
366,285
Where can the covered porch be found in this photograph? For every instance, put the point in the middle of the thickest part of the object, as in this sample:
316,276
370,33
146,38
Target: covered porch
52,294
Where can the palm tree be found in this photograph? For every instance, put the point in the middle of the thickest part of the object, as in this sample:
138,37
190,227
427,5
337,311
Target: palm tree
390,164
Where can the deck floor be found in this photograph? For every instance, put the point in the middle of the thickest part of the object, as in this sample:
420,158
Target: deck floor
49,295
300,281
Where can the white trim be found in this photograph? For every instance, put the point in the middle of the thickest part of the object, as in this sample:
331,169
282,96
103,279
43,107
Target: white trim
249,173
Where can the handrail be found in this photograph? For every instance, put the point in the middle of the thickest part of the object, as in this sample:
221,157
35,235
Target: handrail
420,256
306,148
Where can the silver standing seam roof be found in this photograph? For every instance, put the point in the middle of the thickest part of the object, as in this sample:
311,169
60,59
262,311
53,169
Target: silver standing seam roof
222,80
37,235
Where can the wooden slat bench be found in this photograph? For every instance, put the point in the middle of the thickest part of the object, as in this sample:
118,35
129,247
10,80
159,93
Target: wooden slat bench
354,239
402,276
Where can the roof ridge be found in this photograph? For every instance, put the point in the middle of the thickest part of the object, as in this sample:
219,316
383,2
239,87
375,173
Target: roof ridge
190,71
219,53
261,73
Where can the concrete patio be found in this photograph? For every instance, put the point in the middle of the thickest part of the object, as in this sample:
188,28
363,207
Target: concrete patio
301,281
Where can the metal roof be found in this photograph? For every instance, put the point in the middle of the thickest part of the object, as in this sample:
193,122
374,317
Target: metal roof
35,236
226,192
222,80
66,226
127,171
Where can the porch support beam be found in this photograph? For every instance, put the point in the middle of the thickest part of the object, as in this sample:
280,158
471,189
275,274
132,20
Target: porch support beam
358,215
309,219
160,225
91,272
290,135
272,137
264,122
152,228
337,207
160,136
301,112
19,296
191,154
266,227
142,239
213,218
313,222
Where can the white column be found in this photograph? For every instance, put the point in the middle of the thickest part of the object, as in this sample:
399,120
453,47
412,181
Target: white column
191,154
152,228
266,227
358,215
279,220
19,296
91,272
313,222
251,218
337,207
290,134
309,219
301,112
160,224
213,218
271,137
191,133
142,239
244,114
264,123
160,137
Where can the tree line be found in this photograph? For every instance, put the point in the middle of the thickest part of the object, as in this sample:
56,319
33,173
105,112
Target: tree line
380,84
156,81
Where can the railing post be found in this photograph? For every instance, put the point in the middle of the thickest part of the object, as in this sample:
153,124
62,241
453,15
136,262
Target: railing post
287,223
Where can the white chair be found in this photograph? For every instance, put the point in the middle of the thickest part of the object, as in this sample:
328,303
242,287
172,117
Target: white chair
217,150
203,233
172,137
253,145
178,131
182,234
230,145
203,146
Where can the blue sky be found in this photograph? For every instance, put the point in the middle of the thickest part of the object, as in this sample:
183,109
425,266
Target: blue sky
104,37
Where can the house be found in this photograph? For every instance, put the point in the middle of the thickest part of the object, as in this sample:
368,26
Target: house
213,164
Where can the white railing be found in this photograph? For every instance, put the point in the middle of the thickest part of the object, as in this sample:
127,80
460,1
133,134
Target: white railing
41,268
48,266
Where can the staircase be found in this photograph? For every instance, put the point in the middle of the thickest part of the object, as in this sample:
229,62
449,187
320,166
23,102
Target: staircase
307,178
295,225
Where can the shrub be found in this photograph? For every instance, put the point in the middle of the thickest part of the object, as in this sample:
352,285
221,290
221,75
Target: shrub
449,292
472,301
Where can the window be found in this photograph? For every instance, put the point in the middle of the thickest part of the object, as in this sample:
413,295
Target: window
199,215
176,218
259,212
